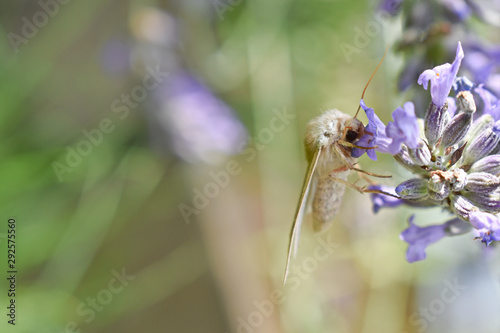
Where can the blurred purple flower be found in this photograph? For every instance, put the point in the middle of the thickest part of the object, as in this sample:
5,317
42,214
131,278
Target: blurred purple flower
115,56
418,238
484,64
487,11
391,6
480,61
490,101
442,78
459,8
487,226
410,73
462,83
200,126
382,200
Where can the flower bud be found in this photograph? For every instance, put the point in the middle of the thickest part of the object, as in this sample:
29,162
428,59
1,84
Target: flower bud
459,125
482,145
435,121
479,125
482,182
403,158
462,207
458,180
413,189
421,155
439,196
489,164
465,102
488,202
436,183
456,129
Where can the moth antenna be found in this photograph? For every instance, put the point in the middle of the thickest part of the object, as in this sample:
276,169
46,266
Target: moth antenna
371,77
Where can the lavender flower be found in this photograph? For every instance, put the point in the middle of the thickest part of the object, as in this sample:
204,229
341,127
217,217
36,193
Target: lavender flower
199,126
375,135
456,161
404,129
483,63
391,6
380,200
418,238
490,101
487,226
388,139
442,78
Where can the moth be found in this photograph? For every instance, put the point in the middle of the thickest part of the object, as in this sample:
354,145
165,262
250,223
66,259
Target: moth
328,142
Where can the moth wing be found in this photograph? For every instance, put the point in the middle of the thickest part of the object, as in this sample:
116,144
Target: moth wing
299,214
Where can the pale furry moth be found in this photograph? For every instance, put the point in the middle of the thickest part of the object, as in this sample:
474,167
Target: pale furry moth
329,140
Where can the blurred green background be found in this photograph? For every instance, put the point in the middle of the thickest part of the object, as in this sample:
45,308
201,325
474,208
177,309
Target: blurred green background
122,205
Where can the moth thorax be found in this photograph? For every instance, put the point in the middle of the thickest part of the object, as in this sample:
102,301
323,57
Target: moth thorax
329,128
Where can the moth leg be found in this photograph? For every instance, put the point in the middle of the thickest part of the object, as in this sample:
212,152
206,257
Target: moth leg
370,173
362,189
381,192
352,145
351,185
365,177
348,165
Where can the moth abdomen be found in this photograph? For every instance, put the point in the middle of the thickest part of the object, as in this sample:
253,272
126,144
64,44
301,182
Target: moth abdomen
327,200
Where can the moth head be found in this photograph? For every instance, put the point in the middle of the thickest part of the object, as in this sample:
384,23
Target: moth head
354,130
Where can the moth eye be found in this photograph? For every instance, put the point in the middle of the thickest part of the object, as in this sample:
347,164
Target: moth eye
326,134
351,136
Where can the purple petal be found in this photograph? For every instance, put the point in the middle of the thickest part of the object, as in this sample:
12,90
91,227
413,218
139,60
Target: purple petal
442,78
491,103
425,77
408,131
391,6
194,122
418,238
381,200
397,136
452,106
458,7
487,226
480,61
375,135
